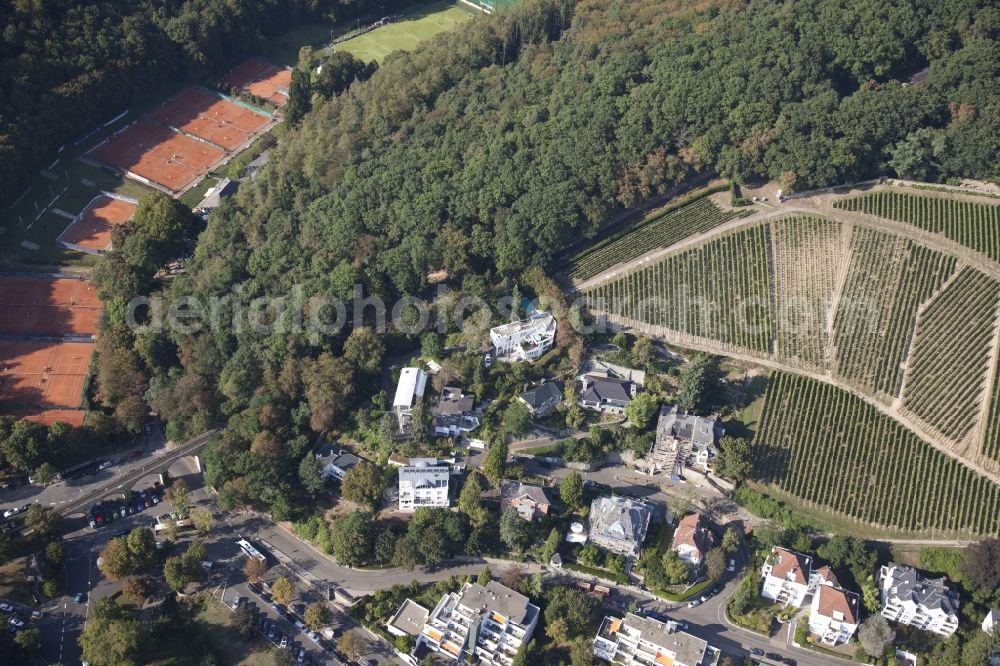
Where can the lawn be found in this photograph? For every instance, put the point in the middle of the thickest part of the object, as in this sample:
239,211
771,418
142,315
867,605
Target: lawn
211,626
13,584
406,33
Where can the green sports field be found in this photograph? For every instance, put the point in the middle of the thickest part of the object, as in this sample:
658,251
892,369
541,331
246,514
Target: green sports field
405,33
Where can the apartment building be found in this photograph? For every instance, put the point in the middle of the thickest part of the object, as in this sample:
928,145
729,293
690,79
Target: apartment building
925,603
485,624
423,482
642,641
524,340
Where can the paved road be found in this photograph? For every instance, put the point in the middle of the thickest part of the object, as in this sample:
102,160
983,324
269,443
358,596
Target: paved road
67,618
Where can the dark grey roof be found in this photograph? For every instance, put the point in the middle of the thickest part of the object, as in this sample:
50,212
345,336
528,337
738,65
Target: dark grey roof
697,429
453,402
605,390
540,395
908,583
510,490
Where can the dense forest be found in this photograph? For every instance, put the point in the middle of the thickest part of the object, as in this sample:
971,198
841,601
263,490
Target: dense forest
66,65
490,148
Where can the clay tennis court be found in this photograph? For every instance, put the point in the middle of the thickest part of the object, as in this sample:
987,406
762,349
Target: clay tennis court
202,114
92,229
159,155
43,374
261,79
72,417
48,306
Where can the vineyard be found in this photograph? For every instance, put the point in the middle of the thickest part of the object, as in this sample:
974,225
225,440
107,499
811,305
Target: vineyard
831,448
719,290
661,230
807,254
972,224
991,443
951,354
888,278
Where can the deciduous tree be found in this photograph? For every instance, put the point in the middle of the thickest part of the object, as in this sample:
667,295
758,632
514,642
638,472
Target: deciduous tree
571,490
363,484
875,635
283,590
317,616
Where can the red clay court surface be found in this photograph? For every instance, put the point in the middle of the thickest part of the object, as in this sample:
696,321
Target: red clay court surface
261,79
72,417
48,306
202,114
93,228
43,374
160,155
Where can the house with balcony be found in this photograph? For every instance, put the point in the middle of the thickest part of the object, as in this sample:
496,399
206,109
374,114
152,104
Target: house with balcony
454,413
642,641
424,482
787,577
524,340
834,614
409,391
479,624
910,598
619,524
693,538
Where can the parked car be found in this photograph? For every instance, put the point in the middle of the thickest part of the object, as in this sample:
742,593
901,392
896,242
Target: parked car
695,603
10,513
284,642
756,652
135,453
6,607
732,566
80,596
38,614
271,631
301,657
104,465
16,621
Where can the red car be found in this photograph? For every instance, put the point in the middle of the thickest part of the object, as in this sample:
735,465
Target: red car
134,454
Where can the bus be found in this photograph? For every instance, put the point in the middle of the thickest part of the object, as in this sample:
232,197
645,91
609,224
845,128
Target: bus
250,551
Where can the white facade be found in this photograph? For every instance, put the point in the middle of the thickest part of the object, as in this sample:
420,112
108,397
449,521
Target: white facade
488,624
786,577
925,603
991,620
409,390
524,340
641,641
424,482
833,614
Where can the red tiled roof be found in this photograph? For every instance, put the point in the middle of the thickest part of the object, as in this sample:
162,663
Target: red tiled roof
831,599
691,531
790,566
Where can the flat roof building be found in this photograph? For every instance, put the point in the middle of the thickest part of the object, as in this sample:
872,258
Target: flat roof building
409,391
424,482
488,624
641,641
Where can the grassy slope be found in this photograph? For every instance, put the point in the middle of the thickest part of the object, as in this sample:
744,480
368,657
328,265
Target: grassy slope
405,33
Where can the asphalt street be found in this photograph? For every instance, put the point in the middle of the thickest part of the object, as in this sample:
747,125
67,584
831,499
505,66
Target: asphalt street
66,618
150,448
